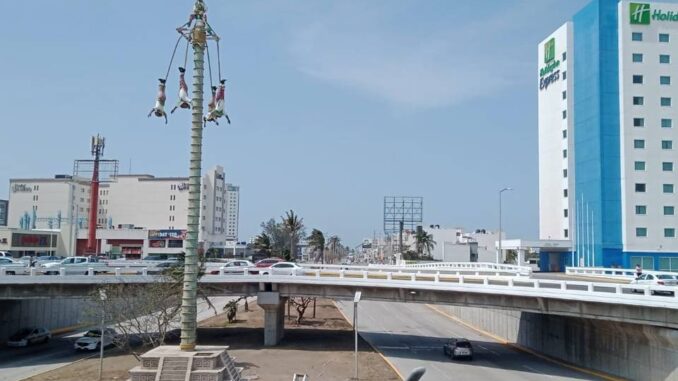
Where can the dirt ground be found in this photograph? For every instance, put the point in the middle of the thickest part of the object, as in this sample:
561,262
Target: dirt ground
321,347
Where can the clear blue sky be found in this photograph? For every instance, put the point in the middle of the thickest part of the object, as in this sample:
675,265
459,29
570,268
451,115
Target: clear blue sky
334,104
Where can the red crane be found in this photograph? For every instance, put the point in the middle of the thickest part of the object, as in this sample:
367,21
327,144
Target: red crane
98,144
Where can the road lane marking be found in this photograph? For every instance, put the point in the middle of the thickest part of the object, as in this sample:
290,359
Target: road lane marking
526,350
394,348
489,350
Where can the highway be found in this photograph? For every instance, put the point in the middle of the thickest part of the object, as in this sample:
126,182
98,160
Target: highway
20,363
410,335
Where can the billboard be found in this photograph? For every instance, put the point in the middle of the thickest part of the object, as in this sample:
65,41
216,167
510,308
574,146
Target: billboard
167,234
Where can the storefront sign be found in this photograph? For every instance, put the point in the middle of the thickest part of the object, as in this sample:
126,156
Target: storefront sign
21,188
33,240
166,234
549,73
157,243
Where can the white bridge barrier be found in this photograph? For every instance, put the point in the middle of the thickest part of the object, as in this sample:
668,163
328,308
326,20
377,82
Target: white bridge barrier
457,268
474,266
605,272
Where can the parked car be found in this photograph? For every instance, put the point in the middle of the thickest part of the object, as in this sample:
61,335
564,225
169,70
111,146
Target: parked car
13,266
284,268
456,348
656,280
91,340
234,267
37,261
5,254
27,336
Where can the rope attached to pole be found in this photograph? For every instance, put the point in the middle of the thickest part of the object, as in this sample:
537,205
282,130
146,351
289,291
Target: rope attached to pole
209,63
169,67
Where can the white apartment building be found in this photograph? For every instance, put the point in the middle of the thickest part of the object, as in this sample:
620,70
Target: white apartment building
608,95
156,205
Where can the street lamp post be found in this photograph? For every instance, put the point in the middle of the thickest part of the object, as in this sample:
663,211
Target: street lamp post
499,250
356,300
102,297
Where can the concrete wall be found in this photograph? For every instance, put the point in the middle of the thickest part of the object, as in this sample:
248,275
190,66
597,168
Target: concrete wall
48,313
632,351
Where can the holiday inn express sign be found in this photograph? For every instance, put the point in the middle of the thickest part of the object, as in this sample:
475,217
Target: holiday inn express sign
642,14
548,74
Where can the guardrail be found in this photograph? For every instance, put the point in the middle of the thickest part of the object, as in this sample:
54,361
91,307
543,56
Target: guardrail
468,269
477,266
612,293
606,272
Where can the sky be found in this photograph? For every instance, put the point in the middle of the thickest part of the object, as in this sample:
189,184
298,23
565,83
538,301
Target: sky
334,104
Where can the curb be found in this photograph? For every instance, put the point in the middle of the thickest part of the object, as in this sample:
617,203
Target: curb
60,331
376,350
521,348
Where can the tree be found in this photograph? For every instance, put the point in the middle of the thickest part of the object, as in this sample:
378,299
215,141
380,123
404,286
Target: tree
300,304
424,242
316,242
262,244
294,227
277,236
334,244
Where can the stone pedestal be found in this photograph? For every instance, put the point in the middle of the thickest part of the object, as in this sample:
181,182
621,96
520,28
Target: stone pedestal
274,316
169,363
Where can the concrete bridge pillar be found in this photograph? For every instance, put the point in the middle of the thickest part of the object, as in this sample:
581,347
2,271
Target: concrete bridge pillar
521,256
274,316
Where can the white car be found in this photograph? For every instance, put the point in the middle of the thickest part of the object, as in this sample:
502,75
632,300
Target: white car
92,339
13,267
234,267
284,268
74,265
28,336
656,280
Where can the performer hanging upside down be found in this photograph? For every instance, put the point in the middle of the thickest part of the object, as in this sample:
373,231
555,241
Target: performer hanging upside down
184,101
159,109
218,101
209,117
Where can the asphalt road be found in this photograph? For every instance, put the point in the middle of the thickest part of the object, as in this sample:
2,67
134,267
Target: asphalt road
20,363
412,335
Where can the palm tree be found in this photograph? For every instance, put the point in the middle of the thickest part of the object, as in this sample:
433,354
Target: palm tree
424,242
294,226
316,241
333,244
262,244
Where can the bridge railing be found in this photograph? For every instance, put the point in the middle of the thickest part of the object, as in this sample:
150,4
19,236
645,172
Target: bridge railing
606,272
462,269
477,266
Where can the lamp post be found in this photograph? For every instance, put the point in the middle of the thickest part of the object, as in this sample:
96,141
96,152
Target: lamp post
102,297
356,300
499,251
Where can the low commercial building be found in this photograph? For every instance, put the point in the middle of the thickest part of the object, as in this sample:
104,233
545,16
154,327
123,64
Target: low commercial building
21,242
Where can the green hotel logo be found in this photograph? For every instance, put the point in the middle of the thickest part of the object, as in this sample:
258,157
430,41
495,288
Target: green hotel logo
639,13
549,50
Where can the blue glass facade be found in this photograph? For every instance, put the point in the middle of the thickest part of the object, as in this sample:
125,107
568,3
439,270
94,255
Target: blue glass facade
597,133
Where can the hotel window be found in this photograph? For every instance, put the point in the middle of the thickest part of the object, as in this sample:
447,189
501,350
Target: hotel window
664,80
564,153
667,188
667,144
667,123
669,210
636,36
639,165
564,56
637,57
664,58
564,75
665,101
669,232
638,101
564,134
639,143
564,94
641,209
663,37
640,187
565,233
638,79
564,114
564,192
667,166
638,122
641,232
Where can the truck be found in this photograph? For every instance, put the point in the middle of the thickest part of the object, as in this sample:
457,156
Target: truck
75,265
13,267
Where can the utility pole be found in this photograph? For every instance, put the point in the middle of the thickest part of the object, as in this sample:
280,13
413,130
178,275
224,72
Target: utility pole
98,144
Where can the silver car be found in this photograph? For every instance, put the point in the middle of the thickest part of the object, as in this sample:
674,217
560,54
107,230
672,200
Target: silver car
656,280
284,268
28,336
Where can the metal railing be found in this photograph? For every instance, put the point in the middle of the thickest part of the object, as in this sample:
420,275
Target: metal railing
477,266
606,272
